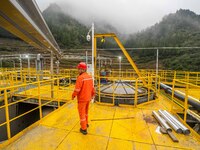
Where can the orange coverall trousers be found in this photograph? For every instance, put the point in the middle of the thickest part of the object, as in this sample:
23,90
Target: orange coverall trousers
83,113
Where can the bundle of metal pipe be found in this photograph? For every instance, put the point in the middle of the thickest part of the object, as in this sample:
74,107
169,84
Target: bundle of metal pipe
170,122
174,123
161,121
178,123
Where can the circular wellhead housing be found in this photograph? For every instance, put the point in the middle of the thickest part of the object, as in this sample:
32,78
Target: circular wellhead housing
123,92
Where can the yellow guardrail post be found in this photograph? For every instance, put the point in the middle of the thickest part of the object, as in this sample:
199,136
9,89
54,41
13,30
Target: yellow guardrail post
99,89
7,114
58,95
39,101
186,103
148,86
173,85
158,86
174,74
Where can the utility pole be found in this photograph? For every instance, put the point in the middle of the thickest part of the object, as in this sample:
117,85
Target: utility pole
157,69
93,51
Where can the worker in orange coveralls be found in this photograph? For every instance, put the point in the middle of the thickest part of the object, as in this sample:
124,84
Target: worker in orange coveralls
85,92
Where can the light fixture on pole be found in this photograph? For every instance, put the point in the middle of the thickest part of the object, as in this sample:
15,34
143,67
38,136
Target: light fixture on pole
28,58
88,39
120,58
157,69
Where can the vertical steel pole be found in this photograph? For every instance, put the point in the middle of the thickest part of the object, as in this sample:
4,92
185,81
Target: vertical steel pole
29,68
45,67
86,57
51,70
20,62
157,70
93,51
57,67
39,100
120,67
99,63
99,92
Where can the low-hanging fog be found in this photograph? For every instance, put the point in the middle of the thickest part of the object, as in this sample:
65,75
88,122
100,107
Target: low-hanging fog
128,16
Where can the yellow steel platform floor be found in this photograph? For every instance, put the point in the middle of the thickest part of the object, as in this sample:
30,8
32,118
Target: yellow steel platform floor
111,128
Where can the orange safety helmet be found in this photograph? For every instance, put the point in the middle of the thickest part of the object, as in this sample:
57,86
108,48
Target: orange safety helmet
82,65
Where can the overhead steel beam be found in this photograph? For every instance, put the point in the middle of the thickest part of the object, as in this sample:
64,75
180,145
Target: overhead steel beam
23,19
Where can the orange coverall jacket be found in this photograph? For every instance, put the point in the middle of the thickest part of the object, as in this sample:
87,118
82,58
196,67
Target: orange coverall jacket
84,88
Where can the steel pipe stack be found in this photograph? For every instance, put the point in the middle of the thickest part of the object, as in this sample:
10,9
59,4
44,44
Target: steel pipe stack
178,123
161,121
170,122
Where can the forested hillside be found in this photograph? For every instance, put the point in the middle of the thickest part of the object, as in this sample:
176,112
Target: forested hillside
181,29
69,32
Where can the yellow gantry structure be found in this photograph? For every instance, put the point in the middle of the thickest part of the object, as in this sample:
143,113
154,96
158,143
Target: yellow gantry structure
112,35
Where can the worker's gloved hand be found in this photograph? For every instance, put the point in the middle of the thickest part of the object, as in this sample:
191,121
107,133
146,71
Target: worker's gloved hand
92,100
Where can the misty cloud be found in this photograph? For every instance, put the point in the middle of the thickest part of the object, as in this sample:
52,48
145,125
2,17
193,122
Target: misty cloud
127,16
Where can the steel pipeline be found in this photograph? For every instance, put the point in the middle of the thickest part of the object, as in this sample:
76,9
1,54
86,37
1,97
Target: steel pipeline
192,101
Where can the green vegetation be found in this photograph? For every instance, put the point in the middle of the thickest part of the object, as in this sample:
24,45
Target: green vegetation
181,29
68,32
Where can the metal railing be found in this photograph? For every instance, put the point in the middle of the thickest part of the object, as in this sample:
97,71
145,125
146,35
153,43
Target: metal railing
134,98
185,96
41,93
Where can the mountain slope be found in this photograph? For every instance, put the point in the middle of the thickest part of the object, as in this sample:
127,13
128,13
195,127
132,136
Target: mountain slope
67,31
181,29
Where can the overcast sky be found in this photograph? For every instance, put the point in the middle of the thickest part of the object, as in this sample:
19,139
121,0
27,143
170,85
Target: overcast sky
128,16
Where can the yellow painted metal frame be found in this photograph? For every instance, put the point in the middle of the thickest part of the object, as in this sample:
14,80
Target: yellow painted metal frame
138,83
184,106
122,48
37,95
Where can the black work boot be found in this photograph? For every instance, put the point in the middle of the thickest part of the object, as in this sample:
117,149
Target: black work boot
83,131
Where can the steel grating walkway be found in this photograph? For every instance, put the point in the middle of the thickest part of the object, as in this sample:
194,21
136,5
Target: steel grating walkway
111,128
